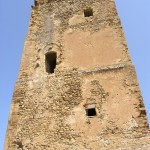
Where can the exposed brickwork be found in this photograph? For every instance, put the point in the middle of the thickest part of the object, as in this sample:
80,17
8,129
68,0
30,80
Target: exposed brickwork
94,69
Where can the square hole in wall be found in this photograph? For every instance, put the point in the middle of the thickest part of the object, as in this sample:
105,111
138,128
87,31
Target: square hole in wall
91,112
88,12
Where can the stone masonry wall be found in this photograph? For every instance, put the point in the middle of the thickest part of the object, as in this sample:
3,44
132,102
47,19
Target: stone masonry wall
49,111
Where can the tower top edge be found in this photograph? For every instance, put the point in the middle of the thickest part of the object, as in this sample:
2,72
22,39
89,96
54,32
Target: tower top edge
37,2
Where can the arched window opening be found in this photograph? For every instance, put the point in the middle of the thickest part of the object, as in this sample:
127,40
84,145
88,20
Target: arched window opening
50,61
88,12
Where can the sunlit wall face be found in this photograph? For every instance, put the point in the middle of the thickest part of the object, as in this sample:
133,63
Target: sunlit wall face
15,15
136,21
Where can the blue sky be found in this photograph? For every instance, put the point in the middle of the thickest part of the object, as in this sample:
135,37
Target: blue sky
14,19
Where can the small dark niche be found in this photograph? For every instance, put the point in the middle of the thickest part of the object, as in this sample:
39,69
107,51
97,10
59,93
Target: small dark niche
19,143
37,65
88,12
91,112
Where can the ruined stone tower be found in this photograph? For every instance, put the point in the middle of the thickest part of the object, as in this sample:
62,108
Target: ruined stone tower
77,88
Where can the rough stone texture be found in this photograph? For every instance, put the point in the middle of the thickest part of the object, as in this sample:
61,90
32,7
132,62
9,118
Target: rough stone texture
48,111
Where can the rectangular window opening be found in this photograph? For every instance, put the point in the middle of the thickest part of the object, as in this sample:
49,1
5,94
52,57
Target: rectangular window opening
91,112
88,12
50,62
